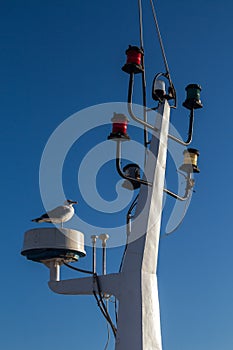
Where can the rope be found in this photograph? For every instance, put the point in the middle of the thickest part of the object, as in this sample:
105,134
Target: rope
168,75
160,40
140,23
143,75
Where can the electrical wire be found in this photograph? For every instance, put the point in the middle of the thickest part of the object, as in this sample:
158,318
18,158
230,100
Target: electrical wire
116,309
102,302
128,217
108,333
102,305
105,316
123,256
134,203
99,300
77,269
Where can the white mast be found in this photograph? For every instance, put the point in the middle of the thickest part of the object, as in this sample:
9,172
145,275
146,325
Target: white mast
135,286
139,316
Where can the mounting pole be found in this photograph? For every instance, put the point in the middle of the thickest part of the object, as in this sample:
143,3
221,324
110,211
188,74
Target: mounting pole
135,287
104,237
54,266
94,239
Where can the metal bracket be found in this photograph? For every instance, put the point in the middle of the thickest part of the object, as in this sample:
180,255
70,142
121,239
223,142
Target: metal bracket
190,132
189,185
121,173
130,110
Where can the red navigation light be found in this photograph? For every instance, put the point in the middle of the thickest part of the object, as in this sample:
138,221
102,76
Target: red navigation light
119,128
134,60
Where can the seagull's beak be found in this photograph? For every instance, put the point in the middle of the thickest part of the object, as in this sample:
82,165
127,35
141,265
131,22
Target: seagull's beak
72,202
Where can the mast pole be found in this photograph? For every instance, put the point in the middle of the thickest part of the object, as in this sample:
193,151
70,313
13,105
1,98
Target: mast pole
139,314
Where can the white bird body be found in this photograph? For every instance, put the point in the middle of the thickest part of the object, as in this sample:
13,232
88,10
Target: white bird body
59,214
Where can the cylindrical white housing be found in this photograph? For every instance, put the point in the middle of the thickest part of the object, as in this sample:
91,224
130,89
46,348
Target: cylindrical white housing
44,244
159,85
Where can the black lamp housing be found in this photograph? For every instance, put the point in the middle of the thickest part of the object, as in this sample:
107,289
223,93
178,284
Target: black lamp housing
133,171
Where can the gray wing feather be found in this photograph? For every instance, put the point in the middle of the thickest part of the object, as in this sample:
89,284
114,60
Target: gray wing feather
58,212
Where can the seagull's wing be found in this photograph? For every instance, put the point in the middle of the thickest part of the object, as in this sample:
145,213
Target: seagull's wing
57,213
60,214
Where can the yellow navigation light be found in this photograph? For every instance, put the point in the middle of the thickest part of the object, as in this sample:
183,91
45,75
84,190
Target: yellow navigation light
190,161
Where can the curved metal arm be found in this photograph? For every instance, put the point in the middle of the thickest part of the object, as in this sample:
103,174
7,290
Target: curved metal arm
190,132
189,186
174,195
121,173
130,110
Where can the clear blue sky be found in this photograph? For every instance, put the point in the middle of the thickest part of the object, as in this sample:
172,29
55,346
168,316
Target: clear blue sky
58,57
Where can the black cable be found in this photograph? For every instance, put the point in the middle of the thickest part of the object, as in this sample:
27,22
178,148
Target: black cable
99,305
102,305
123,256
116,311
100,301
130,89
77,269
133,204
108,337
128,217
106,315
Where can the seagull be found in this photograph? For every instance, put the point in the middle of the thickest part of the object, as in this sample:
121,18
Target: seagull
58,215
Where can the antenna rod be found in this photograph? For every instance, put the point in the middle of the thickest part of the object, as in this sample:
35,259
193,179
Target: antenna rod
94,239
104,237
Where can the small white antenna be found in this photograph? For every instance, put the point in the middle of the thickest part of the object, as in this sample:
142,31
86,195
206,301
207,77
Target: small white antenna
94,239
104,237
